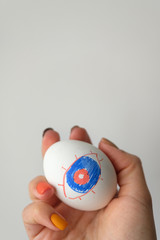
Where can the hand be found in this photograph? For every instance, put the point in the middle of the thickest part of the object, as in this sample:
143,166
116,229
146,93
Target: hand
128,216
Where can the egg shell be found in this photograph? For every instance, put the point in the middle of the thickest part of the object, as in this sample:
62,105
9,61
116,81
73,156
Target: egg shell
82,174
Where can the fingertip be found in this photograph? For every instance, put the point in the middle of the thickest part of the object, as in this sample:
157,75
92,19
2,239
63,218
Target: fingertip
40,189
50,137
79,133
105,141
58,221
43,214
116,156
46,193
44,188
46,130
75,126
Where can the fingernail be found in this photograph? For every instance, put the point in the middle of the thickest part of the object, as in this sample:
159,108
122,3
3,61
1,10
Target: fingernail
42,187
58,221
47,129
76,126
108,142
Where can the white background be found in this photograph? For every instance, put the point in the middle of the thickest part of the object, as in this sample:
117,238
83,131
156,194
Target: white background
95,64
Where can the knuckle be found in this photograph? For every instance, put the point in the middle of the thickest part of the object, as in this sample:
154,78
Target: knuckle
23,213
133,159
148,199
37,207
137,160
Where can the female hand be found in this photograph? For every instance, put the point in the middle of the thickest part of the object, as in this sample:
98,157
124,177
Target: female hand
128,216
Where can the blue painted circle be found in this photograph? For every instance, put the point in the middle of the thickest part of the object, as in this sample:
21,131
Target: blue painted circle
93,170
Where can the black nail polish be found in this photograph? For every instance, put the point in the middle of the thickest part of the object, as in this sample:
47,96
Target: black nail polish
46,131
74,127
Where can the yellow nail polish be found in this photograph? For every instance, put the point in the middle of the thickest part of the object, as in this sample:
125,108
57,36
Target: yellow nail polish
58,221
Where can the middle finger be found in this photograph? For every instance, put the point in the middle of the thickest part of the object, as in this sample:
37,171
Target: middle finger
78,133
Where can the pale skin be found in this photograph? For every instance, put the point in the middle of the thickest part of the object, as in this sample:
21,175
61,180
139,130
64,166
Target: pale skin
128,216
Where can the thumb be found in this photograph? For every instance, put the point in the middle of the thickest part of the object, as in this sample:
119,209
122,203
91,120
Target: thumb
130,173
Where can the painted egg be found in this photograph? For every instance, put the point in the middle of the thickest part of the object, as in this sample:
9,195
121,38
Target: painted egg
82,175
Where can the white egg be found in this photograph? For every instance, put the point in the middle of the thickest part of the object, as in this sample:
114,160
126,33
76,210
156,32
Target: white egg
82,175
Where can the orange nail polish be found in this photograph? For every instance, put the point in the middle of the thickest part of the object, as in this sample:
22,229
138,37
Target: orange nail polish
42,187
58,221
